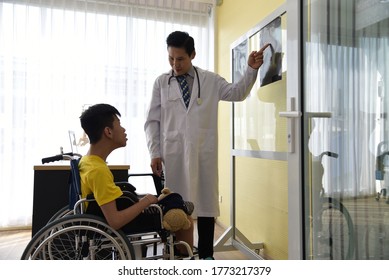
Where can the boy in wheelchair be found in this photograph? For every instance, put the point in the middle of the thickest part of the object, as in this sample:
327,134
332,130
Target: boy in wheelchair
102,125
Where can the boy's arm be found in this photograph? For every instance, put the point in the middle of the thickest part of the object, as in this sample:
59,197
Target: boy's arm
117,219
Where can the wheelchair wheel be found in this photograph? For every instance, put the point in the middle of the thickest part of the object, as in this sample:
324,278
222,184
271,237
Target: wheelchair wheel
371,243
336,232
78,237
376,243
64,211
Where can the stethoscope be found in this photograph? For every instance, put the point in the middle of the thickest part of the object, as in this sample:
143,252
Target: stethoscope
199,101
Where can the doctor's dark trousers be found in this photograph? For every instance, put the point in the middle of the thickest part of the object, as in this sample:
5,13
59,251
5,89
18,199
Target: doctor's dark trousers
205,231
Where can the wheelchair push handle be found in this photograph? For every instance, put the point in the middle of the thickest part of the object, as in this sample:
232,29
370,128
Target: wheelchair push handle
328,153
65,156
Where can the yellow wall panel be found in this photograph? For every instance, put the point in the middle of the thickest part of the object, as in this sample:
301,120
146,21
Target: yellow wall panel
233,20
262,204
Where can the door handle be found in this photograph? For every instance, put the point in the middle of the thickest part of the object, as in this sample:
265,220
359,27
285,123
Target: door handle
291,115
318,115
297,114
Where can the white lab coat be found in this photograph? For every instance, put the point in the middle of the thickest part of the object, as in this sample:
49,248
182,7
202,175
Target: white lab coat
186,139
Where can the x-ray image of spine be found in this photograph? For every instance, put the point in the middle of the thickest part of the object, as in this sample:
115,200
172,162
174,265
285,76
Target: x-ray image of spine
271,69
240,61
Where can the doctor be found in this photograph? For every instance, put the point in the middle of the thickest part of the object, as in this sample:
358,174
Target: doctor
183,140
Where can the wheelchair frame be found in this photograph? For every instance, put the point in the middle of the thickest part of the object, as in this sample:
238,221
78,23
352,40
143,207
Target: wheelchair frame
73,235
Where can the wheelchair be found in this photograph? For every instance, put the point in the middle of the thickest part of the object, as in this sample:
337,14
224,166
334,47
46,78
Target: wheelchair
75,234
381,170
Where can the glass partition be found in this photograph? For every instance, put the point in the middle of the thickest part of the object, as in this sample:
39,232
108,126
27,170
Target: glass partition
346,128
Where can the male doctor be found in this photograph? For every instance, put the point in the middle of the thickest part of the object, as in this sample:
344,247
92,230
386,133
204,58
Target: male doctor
183,139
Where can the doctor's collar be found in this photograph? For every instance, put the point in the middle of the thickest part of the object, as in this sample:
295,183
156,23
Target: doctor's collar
191,72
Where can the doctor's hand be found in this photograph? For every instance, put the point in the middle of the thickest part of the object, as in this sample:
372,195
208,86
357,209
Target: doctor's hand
256,57
156,166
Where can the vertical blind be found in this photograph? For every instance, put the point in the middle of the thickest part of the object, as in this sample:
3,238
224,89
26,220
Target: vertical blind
58,57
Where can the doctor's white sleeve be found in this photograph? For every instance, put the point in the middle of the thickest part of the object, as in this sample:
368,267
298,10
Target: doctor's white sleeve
152,124
240,90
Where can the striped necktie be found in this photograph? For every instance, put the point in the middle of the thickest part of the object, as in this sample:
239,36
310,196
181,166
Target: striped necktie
185,89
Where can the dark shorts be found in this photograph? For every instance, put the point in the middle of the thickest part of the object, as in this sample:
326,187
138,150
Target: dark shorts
148,220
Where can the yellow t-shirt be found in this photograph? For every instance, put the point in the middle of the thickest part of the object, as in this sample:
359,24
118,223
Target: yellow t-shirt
96,178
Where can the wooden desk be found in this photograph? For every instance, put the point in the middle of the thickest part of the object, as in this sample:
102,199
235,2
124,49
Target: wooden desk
51,190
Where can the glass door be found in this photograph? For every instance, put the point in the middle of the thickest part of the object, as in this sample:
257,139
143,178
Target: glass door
346,129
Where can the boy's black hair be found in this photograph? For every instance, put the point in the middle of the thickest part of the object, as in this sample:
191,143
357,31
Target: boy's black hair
96,118
180,39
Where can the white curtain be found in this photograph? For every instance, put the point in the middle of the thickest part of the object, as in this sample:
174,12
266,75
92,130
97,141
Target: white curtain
57,57
347,64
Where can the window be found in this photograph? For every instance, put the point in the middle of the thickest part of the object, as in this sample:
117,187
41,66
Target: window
56,57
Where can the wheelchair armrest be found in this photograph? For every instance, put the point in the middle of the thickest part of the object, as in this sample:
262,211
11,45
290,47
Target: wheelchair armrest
79,206
133,197
158,181
154,209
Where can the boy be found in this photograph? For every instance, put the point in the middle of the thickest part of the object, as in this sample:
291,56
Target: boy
102,125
